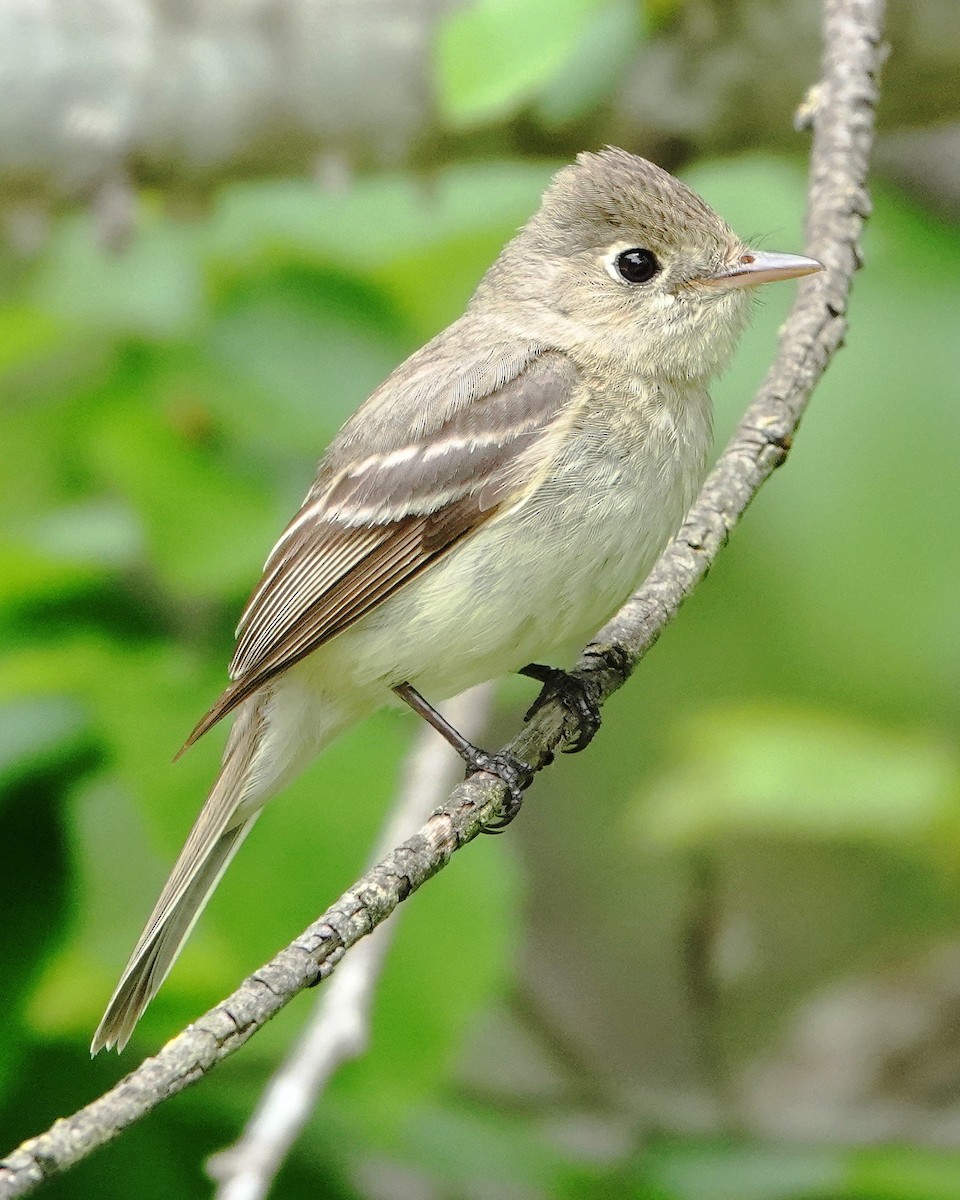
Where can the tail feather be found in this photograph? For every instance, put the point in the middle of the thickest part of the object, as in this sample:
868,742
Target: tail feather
168,928
227,817
275,733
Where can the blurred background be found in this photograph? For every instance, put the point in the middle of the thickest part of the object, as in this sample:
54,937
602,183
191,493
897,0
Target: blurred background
718,956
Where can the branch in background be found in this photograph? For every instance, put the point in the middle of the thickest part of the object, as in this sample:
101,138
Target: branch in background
339,1028
191,96
838,204
205,90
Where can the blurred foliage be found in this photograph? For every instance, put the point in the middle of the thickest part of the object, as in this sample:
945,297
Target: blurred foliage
498,55
162,409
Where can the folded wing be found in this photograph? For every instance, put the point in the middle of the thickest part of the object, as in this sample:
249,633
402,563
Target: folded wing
388,505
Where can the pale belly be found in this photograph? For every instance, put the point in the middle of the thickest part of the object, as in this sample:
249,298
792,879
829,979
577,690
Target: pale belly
540,578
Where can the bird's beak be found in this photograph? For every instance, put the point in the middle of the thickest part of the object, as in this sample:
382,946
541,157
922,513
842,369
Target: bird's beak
754,267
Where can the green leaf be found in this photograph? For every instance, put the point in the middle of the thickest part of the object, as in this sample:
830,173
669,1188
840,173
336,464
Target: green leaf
371,223
28,573
596,65
207,525
800,772
904,1173
711,1171
96,533
153,287
36,731
26,335
295,356
494,55
414,247
458,1145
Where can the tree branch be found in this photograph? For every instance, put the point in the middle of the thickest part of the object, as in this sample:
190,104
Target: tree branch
339,1028
842,118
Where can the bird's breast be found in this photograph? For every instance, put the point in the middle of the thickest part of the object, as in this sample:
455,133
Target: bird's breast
551,570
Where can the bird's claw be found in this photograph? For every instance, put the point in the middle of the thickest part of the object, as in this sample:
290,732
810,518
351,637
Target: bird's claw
513,773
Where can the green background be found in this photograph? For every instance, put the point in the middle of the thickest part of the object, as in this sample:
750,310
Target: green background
588,1006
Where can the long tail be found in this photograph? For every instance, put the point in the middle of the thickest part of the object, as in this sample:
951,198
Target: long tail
250,774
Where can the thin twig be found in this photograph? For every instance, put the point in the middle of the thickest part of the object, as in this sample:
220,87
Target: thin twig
339,1028
838,205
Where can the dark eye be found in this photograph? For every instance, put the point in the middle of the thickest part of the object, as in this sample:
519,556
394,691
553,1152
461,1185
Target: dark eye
636,266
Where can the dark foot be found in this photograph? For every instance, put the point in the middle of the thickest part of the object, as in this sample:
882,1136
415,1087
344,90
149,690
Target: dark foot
510,771
576,695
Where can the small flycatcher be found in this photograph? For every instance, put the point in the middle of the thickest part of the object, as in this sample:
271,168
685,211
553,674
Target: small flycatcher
498,496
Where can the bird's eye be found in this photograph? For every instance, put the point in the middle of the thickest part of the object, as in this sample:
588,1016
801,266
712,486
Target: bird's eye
636,266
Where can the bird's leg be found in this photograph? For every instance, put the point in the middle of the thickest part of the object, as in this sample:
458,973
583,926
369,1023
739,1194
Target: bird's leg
576,695
509,770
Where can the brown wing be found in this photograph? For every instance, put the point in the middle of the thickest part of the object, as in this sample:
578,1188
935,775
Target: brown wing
369,527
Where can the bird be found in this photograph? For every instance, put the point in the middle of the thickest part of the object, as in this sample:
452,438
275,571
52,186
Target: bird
495,499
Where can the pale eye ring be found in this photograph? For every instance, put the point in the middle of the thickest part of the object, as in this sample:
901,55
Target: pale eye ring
634,266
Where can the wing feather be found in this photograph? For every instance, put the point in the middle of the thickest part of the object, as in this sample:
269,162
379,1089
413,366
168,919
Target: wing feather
372,523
